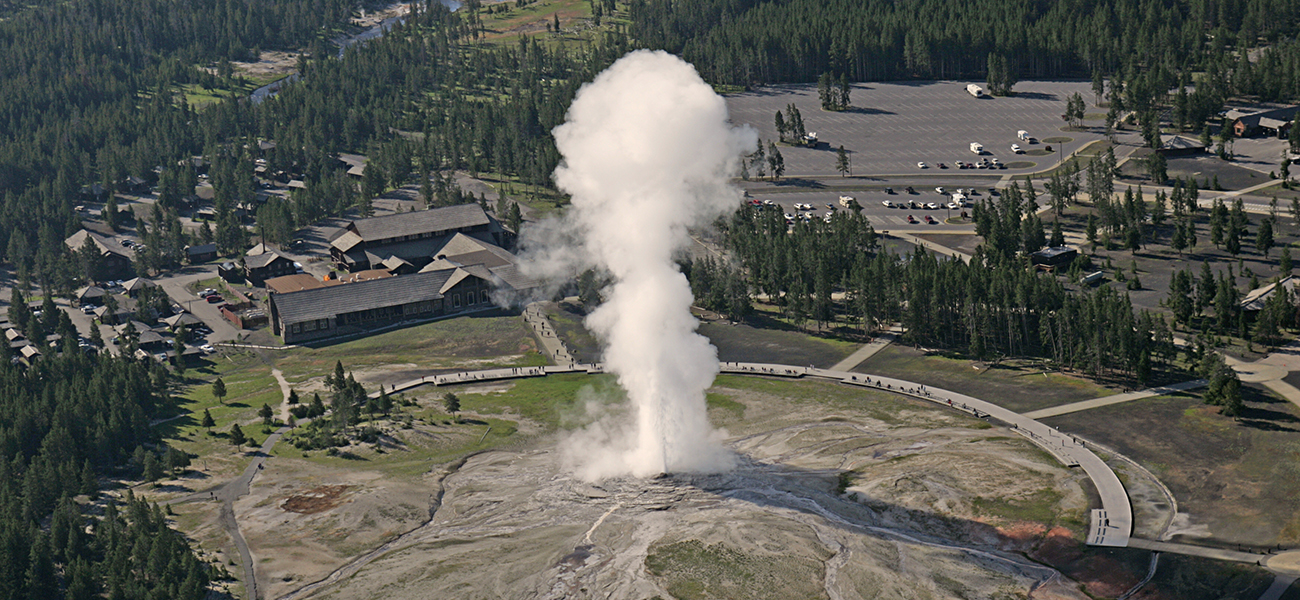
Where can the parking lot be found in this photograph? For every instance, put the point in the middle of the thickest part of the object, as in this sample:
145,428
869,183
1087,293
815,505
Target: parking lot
872,197
892,126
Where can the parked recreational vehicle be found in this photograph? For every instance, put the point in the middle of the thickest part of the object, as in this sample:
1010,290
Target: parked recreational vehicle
977,147
975,90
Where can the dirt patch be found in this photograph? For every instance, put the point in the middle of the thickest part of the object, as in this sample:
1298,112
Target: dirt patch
316,500
270,64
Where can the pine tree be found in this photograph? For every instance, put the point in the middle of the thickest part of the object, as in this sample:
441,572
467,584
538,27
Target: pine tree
237,437
219,390
842,161
451,402
1264,236
1284,262
207,423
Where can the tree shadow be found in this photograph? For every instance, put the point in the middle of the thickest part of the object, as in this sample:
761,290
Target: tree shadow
866,110
1036,96
800,183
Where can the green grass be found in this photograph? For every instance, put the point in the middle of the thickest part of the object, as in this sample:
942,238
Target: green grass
477,341
1021,388
1040,507
249,384
882,406
417,455
720,403
690,569
548,401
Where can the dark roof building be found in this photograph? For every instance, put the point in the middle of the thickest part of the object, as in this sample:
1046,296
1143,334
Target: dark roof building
1054,257
116,258
1266,119
333,310
412,237
266,265
201,254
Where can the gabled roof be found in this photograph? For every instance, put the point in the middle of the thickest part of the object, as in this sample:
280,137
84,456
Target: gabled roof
346,241
184,318
89,292
393,263
260,248
105,245
204,249
327,302
448,218
1258,297
261,260
137,284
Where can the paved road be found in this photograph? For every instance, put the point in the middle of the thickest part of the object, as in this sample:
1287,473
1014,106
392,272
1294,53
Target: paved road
174,285
1116,399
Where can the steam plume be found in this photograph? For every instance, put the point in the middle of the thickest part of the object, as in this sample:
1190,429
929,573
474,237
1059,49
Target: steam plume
648,152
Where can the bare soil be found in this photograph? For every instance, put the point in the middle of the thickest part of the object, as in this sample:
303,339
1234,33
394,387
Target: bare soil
315,500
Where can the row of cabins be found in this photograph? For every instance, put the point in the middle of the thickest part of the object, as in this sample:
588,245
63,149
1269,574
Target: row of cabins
401,267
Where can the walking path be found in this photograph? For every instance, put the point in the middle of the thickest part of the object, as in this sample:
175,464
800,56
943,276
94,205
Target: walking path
227,493
1111,524
551,343
931,246
868,350
1116,399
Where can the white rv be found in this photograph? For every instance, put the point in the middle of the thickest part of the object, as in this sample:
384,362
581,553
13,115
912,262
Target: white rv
977,147
975,90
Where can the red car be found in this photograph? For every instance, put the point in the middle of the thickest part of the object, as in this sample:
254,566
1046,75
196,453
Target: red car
215,299
911,219
930,220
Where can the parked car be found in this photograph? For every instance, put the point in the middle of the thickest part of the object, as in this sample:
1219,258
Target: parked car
887,203
921,165
930,220
931,206
943,166
939,189
215,299
207,348
911,219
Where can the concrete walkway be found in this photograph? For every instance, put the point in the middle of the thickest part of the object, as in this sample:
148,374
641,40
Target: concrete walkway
552,346
1111,524
931,246
1066,409
870,349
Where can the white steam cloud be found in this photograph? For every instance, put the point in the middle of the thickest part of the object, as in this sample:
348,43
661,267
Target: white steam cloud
648,152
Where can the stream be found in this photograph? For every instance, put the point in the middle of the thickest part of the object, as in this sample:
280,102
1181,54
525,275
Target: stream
271,89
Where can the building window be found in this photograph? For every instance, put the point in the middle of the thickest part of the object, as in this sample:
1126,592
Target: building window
323,324
296,328
485,295
309,326
455,300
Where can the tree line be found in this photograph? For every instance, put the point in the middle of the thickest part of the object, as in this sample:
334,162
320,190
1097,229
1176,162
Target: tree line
65,422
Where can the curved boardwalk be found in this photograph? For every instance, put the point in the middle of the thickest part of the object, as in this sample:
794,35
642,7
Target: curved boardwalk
1111,524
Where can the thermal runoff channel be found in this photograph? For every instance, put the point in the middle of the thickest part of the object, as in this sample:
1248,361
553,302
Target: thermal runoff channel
649,152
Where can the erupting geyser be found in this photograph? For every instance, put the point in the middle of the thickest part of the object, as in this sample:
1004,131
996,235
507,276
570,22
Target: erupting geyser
648,153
